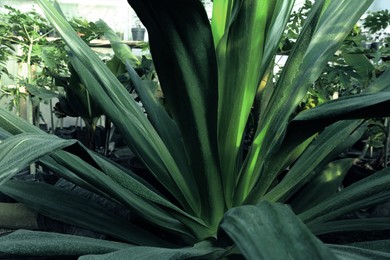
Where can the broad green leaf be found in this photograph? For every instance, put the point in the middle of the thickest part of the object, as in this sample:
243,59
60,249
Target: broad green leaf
24,243
78,211
190,87
371,190
202,250
354,253
272,231
19,151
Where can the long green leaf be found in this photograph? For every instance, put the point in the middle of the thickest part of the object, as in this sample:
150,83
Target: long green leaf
50,164
312,52
278,110
202,250
70,208
167,129
23,243
350,107
259,233
4,134
16,125
19,151
351,225
238,75
146,209
142,189
355,253
122,50
119,105
173,182
297,140
222,15
79,168
157,114
190,85
377,245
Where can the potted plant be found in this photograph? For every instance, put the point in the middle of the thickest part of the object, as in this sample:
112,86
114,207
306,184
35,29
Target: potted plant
137,32
232,170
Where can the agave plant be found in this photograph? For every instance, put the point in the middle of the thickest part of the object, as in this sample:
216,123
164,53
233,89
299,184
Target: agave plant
218,196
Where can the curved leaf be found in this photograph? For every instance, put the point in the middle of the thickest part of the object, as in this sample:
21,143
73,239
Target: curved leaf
272,231
34,243
19,151
23,243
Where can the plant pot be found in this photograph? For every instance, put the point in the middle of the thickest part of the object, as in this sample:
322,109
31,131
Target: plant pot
138,34
376,45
